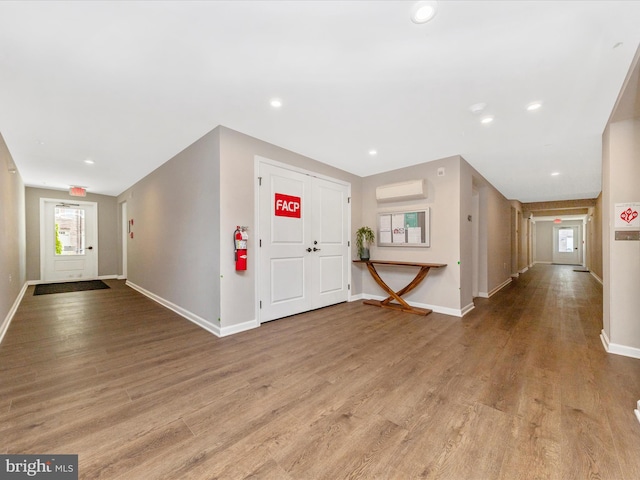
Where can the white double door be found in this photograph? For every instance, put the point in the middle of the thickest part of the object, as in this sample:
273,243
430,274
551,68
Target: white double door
304,233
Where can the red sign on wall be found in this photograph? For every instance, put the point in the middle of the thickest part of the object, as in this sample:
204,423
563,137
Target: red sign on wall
287,205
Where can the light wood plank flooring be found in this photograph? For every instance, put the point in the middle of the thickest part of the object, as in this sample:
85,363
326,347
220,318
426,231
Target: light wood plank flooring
520,388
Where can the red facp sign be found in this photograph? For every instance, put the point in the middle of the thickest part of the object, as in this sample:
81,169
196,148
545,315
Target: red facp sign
287,205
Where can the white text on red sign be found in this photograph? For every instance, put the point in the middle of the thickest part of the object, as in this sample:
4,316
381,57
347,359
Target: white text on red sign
287,205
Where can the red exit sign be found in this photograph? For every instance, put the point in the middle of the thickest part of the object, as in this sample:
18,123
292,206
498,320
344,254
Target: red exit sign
77,192
287,205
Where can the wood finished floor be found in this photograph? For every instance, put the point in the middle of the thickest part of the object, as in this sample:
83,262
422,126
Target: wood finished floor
520,388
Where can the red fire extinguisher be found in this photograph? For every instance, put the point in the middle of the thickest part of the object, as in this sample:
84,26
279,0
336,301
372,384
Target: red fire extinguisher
240,237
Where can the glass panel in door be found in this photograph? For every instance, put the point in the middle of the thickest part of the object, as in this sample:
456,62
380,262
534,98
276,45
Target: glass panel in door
70,231
565,240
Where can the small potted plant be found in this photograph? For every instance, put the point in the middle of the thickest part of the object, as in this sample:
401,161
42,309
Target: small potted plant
364,238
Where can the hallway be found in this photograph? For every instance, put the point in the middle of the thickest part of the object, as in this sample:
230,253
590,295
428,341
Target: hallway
520,388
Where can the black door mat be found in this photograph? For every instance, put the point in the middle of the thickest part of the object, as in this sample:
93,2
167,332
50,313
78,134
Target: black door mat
47,288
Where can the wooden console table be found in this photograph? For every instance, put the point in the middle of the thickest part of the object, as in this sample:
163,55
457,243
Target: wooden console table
397,296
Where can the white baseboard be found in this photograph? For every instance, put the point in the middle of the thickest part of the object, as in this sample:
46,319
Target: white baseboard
467,309
495,290
596,277
604,339
240,327
515,275
192,317
436,308
617,348
12,311
542,262
523,270
121,277
360,296
107,277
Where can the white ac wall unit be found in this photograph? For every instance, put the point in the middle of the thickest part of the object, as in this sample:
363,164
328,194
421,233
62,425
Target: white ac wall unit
398,192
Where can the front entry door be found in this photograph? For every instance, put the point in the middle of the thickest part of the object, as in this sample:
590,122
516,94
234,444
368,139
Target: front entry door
304,231
567,245
68,240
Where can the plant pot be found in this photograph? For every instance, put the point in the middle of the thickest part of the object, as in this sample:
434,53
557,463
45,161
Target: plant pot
364,255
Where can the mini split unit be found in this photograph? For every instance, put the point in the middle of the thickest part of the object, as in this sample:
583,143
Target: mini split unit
398,192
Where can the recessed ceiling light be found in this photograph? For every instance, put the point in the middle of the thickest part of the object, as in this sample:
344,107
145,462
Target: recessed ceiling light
534,106
373,152
555,174
276,103
88,161
477,107
424,11
486,120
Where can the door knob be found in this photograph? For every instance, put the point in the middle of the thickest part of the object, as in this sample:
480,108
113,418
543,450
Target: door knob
309,249
89,248
316,249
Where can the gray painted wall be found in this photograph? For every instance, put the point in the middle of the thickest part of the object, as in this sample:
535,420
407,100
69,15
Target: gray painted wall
237,198
621,171
186,210
174,252
450,199
184,216
441,287
107,229
494,246
544,238
494,219
595,239
544,241
12,236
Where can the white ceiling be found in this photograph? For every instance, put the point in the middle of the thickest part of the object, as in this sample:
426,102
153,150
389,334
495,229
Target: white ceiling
130,84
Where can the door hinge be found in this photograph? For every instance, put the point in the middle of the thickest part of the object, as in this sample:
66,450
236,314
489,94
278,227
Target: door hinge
348,199
348,286
260,242
348,243
259,181
260,303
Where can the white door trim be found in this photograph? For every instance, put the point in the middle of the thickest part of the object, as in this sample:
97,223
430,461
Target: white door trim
286,166
256,215
43,229
475,242
125,235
